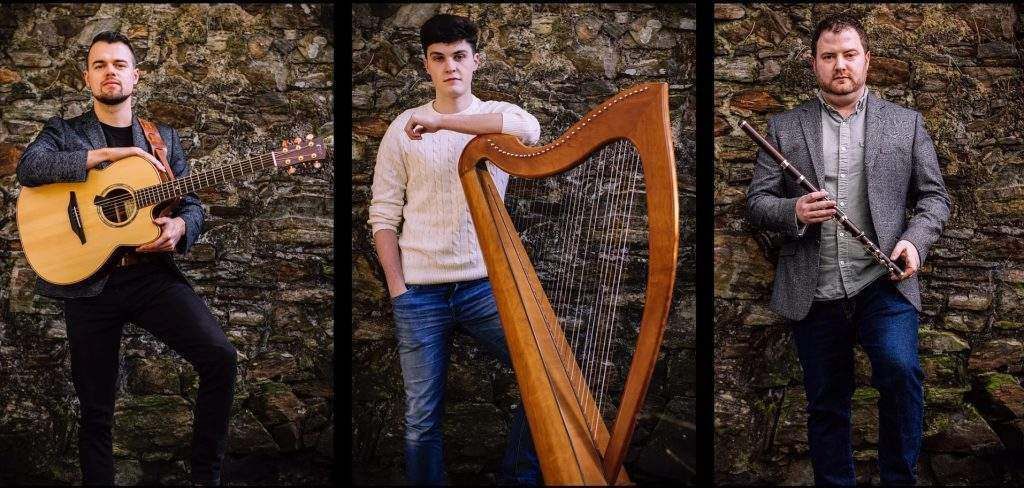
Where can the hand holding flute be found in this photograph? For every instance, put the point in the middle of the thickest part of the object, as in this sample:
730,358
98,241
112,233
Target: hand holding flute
816,206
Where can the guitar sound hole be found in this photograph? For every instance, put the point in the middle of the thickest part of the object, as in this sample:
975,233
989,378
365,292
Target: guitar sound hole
117,207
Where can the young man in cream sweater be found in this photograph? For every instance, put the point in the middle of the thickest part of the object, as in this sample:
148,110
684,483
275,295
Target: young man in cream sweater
435,271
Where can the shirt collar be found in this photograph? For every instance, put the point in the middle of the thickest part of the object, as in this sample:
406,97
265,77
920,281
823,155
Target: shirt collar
468,110
861,103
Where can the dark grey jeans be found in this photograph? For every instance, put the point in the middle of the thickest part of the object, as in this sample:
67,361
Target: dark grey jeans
151,297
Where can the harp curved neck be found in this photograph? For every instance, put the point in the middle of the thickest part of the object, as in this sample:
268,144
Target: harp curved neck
639,113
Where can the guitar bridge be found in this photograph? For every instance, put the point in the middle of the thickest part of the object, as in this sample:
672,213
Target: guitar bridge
75,218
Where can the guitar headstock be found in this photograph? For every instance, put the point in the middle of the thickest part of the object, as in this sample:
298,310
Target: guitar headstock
307,154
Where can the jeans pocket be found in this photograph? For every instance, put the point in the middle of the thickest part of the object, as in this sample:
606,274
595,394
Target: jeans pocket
408,290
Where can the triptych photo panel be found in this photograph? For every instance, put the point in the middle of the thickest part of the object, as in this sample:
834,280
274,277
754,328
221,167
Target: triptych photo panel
734,244
826,369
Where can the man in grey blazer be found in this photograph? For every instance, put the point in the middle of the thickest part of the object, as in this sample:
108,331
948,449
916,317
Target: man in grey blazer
874,159
141,285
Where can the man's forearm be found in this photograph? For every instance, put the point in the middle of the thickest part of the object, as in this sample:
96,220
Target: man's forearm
190,210
96,156
472,124
42,166
390,256
928,190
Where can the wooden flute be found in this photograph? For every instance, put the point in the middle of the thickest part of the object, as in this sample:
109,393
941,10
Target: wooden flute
839,216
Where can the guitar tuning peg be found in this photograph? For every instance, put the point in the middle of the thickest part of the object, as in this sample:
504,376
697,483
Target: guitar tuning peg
298,140
284,144
291,170
317,165
309,137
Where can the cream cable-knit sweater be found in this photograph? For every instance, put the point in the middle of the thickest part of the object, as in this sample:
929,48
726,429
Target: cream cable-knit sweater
417,193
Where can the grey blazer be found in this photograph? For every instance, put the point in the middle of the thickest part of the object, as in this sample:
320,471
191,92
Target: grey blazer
58,154
902,172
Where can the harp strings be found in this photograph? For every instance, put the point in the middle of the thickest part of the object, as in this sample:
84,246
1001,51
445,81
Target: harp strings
616,261
580,259
600,220
579,311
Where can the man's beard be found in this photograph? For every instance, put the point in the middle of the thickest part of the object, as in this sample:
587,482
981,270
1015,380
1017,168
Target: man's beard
112,99
849,88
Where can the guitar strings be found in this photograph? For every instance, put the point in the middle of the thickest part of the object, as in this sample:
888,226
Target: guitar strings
167,190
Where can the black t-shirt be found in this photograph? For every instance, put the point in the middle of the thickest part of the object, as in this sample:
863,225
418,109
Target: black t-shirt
118,136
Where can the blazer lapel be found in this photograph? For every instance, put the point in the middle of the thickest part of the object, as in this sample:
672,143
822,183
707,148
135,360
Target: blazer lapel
874,130
810,120
93,131
138,136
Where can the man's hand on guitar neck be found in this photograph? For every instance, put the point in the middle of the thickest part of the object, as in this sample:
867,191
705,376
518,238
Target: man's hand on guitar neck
97,156
171,230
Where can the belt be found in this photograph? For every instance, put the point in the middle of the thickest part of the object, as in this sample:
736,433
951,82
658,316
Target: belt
131,258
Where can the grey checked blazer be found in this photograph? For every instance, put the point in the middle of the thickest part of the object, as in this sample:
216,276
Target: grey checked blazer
902,172
58,154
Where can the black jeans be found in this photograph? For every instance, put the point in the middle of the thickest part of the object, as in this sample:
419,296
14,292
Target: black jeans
151,297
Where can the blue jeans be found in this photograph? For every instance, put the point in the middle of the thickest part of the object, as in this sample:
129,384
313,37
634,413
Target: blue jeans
885,324
425,317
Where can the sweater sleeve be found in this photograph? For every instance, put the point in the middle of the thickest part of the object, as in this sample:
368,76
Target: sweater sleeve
518,122
389,181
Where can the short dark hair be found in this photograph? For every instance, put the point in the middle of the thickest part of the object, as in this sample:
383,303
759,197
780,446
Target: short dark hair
446,29
837,23
110,37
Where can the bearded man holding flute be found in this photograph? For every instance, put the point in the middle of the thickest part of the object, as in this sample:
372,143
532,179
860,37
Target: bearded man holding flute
874,160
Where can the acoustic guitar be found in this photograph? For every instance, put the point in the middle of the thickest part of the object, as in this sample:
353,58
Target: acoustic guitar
69,230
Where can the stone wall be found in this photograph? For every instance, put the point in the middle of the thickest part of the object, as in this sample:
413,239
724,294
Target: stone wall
556,61
235,80
961,67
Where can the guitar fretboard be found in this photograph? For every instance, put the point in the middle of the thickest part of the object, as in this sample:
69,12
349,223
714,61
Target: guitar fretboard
151,195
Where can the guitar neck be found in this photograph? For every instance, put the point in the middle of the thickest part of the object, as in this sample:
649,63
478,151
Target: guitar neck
168,190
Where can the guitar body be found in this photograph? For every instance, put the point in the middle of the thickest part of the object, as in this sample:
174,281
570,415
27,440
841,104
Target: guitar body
69,230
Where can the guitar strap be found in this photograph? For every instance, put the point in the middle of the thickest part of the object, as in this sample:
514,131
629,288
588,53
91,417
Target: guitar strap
157,143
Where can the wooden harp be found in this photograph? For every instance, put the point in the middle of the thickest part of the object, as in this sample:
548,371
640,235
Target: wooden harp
574,443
